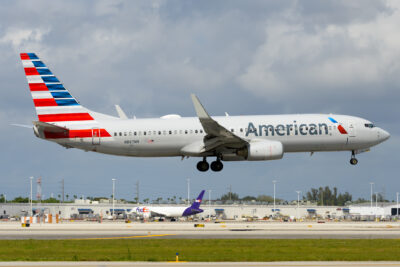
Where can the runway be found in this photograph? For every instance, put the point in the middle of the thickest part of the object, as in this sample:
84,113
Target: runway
187,230
199,264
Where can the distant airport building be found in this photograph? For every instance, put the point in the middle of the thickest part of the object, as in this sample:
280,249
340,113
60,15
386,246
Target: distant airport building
95,209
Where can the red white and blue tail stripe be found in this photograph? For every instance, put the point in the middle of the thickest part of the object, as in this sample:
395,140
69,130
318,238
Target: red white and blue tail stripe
53,103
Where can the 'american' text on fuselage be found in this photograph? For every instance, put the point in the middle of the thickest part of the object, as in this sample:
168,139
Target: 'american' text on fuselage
281,130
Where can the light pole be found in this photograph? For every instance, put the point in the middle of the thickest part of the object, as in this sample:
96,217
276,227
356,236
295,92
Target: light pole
188,190
371,192
397,196
209,204
274,182
113,197
298,203
31,178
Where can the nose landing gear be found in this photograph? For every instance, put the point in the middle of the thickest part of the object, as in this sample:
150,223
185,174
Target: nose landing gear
353,160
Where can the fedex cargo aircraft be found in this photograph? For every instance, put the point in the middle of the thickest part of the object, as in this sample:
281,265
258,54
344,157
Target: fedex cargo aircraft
63,120
171,212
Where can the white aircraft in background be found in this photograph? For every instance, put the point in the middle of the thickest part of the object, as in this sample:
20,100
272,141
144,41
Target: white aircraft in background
171,212
61,119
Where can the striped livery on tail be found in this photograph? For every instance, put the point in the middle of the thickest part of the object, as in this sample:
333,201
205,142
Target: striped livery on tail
55,105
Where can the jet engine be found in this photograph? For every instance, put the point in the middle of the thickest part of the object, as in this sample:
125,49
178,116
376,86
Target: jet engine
262,150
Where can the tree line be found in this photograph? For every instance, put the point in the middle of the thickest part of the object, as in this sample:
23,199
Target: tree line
321,196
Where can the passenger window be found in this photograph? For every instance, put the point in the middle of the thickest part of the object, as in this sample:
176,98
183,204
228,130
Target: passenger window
164,132
170,132
195,131
241,130
180,131
120,133
159,132
186,131
144,133
154,132
134,133
130,133
232,130
201,131
115,134
175,132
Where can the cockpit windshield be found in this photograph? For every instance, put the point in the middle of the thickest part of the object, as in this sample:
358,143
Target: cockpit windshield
369,125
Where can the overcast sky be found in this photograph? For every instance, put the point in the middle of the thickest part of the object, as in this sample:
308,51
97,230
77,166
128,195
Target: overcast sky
242,57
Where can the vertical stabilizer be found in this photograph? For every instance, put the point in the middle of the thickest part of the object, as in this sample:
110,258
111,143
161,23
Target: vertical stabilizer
53,103
197,202
56,106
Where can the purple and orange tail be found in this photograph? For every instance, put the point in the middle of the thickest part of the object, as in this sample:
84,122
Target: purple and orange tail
197,202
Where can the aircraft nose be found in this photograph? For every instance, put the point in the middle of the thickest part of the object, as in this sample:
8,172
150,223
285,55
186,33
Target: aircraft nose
384,135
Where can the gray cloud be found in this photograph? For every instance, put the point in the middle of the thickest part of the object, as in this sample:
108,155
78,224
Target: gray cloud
253,57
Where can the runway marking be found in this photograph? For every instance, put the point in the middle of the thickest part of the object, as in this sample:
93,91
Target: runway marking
120,237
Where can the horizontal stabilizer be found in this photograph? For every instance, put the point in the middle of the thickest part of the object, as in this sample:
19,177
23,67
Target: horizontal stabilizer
47,130
22,125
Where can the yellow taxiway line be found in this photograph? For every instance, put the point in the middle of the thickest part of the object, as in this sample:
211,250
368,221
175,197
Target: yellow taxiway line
120,237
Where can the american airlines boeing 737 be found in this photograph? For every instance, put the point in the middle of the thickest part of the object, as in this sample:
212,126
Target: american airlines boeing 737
63,120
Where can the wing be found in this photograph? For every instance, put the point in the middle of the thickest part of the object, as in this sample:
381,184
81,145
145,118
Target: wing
218,137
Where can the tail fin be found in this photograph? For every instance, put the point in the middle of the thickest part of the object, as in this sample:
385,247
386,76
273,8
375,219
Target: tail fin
53,103
197,202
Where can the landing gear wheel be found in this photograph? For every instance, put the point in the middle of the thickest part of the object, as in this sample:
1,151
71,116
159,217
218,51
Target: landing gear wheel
353,161
217,166
203,166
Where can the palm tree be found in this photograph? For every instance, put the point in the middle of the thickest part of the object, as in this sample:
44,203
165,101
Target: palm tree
67,196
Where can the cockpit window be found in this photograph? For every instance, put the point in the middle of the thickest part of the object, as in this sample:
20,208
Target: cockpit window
369,125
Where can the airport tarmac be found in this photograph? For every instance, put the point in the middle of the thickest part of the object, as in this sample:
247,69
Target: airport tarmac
199,264
211,230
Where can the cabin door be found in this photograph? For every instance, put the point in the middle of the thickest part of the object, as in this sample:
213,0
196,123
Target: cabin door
95,136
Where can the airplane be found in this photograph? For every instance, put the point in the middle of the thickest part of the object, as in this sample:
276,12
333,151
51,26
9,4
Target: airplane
63,120
171,212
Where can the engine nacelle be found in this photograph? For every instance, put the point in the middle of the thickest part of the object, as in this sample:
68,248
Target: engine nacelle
262,150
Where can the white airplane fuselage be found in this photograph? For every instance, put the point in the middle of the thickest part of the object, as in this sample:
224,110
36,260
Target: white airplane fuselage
166,137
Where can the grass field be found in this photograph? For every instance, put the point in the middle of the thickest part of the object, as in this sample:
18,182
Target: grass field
201,250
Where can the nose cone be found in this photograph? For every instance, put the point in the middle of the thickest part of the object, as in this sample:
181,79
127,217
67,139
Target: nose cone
383,135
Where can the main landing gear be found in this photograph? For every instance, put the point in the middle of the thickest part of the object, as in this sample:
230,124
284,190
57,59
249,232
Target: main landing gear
216,166
353,160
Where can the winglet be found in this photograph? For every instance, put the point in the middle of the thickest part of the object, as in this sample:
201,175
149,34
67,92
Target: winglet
200,110
121,113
